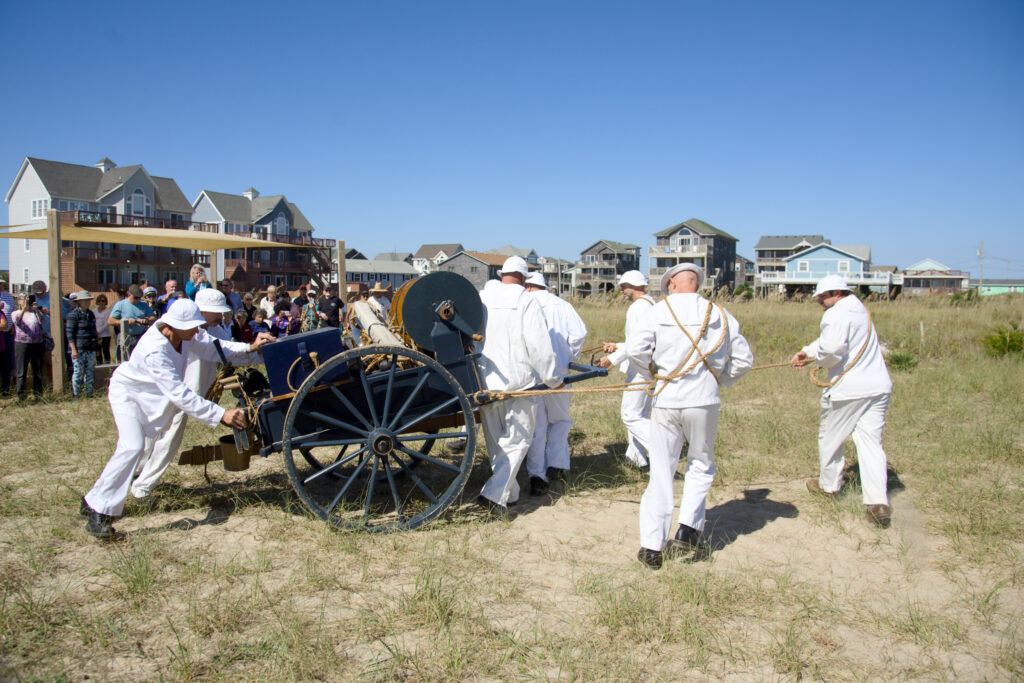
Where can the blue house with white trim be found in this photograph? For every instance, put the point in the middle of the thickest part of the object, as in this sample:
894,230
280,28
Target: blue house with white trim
812,264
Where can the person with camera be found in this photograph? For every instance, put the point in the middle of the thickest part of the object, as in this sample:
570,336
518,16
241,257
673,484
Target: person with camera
30,323
135,314
196,281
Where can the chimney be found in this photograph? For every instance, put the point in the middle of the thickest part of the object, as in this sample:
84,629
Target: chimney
105,164
251,194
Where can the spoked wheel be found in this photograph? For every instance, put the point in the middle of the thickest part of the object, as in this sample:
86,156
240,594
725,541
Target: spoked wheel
357,451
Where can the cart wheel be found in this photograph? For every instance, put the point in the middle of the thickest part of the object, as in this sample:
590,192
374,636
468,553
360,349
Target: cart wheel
357,451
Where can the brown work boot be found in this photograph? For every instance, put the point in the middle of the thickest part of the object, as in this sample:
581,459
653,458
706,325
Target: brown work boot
879,515
814,487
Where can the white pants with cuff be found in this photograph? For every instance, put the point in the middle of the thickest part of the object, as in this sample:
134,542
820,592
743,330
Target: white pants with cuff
110,490
550,445
670,429
508,432
160,456
636,416
864,418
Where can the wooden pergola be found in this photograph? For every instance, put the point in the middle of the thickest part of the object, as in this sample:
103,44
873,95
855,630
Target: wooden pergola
194,240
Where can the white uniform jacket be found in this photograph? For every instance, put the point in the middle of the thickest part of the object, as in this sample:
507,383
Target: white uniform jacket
150,386
565,327
659,338
634,314
844,328
516,352
201,370
381,305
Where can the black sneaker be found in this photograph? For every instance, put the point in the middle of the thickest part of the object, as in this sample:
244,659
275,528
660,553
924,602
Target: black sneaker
650,558
687,540
492,507
84,509
538,487
99,525
557,474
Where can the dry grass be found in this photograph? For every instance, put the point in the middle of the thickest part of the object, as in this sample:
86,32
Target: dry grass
235,580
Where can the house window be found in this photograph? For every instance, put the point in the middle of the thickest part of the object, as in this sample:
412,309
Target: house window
589,258
28,246
265,279
24,276
139,204
803,267
472,269
39,207
844,266
282,225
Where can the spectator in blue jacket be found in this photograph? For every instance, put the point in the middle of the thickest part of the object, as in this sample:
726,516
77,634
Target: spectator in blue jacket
82,342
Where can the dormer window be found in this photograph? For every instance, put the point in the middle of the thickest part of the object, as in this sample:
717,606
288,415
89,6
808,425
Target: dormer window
139,204
281,224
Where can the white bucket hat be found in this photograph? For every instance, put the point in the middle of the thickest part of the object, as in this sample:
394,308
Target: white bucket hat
212,301
536,279
514,264
82,295
831,283
678,268
183,314
634,278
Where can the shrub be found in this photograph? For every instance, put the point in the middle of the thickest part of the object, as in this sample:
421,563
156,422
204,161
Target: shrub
1003,340
901,360
964,298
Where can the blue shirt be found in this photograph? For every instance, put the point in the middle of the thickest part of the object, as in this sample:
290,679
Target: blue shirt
125,309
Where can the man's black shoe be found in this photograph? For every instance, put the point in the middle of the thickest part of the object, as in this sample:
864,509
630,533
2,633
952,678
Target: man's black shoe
650,558
99,525
84,509
557,474
538,487
687,540
492,507
456,446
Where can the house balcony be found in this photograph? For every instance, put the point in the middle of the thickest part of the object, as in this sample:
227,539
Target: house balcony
783,278
106,219
94,252
668,252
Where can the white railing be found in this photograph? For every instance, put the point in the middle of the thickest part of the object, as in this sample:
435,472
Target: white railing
851,278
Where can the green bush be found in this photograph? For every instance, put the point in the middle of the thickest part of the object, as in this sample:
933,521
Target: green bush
964,298
901,360
1003,340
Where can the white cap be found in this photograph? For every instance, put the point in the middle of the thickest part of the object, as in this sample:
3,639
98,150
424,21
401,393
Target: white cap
212,301
183,314
536,279
514,264
678,268
634,278
831,283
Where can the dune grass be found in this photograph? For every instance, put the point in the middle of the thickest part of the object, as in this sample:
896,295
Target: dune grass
236,581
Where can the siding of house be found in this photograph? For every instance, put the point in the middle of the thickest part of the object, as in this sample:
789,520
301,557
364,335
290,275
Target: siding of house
470,268
20,211
820,261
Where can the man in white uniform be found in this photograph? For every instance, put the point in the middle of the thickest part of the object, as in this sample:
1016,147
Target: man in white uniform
516,353
701,346
635,410
549,450
144,394
381,304
857,400
199,375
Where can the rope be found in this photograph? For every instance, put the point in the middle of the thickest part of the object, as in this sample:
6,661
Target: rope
313,356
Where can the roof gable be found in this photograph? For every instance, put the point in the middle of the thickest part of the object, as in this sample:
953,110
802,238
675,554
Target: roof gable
838,251
71,181
926,264
698,226
169,196
790,241
261,207
233,208
429,251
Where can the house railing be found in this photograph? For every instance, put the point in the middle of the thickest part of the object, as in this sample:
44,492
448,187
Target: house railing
811,278
107,219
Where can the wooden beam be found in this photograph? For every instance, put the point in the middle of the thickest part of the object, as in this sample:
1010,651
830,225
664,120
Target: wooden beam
342,286
56,310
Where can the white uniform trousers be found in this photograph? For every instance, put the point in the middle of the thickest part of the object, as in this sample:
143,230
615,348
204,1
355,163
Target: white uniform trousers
636,416
864,418
550,446
159,456
670,429
108,493
508,431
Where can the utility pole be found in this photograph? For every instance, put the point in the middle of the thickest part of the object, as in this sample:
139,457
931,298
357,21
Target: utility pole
56,301
981,266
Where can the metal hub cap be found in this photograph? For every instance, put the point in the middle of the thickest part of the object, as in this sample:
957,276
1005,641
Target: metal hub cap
383,444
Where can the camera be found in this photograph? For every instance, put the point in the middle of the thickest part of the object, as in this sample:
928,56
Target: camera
31,300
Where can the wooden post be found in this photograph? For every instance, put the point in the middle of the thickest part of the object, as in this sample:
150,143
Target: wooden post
342,285
56,312
213,269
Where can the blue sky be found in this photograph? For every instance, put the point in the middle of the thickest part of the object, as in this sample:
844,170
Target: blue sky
551,124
